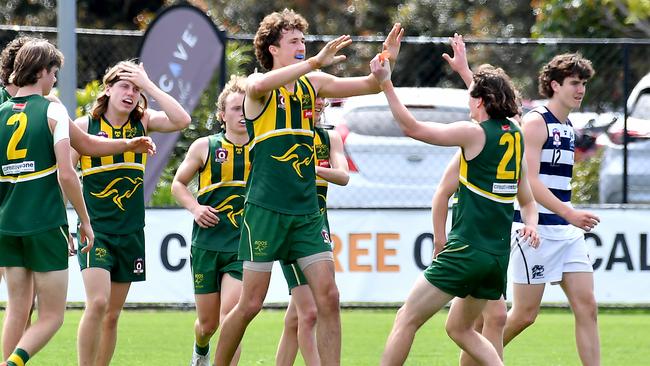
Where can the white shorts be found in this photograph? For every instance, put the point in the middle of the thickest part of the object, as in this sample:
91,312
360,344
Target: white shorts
549,261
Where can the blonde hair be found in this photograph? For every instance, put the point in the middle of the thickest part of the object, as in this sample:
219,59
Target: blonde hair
110,78
236,84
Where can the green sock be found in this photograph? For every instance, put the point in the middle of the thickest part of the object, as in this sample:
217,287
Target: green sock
18,358
202,350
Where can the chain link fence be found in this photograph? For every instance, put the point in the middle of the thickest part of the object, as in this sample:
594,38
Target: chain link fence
392,172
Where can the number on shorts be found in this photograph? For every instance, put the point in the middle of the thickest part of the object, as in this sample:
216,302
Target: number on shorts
514,148
12,151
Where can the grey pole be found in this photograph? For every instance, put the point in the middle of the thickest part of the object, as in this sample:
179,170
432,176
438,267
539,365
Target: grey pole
67,43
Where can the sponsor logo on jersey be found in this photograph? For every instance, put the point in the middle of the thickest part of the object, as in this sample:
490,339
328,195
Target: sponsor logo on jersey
120,188
138,266
299,155
102,134
221,155
504,188
557,140
322,152
17,168
19,107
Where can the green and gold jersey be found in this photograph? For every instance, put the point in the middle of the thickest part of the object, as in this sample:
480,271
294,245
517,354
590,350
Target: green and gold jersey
30,197
488,187
4,95
113,184
283,172
322,151
222,185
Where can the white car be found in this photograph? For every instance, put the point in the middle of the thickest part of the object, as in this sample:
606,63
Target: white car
638,160
387,169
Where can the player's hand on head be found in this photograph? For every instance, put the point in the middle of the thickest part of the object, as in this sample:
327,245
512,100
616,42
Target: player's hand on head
459,60
86,237
142,144
583,219
393,41
328,54
380,69
205,216
135,74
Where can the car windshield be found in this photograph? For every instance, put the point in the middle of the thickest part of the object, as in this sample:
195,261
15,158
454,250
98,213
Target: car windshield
642,107
378,120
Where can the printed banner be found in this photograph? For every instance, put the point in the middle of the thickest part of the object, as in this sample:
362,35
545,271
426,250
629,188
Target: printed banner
181,50
379,254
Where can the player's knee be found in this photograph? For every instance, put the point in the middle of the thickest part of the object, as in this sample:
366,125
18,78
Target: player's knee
249,309
291,320
97,305
328,300
524,319
307,319
587,308
111,319
208,326
455,332
496,319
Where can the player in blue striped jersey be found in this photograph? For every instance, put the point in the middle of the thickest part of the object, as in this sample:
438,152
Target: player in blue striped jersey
562,257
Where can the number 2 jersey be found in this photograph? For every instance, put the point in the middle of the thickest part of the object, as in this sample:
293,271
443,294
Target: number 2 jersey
483,215
113,184
30,197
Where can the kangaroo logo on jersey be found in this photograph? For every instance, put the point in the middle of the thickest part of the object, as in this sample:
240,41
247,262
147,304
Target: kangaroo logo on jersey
298,160
120,188
221,155
228,207
537,271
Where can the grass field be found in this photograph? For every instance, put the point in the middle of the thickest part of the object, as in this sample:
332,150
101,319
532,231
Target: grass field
149,338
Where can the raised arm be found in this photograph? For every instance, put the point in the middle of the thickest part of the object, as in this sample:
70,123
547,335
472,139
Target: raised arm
440,205
205,216
535,135
338,171
465,134
171,117
528,208
331,86
458,62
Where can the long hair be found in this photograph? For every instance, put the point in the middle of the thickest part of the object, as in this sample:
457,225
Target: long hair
8,57
33,57
270,32
110,78
496,90
561,67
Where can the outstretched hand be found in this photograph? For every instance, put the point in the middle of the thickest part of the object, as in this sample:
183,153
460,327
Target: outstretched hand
393,41
380,69
458,62
327,55
142,144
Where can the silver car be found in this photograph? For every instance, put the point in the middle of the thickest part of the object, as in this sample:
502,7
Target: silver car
611,168
387,169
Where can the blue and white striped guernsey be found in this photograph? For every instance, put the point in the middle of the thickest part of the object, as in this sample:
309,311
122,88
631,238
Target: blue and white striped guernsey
555,171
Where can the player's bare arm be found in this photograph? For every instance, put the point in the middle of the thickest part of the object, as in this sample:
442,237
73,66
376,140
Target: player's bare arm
535,135
171,117
528,208
458,62
331,86
197,154
440,204
338,171
465,134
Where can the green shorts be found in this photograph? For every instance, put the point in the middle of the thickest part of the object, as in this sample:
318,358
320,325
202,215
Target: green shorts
121,255
268,235
293,274
209,266
461,270
42,252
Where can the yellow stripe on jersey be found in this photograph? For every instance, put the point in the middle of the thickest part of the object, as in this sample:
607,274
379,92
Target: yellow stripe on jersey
30,176
205,177
106,168
105,127
274,133
462,177
212,187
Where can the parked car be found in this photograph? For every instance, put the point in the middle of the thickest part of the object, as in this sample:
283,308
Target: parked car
638,168
387,169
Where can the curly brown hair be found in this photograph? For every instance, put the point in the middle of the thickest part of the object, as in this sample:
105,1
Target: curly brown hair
497,91
33,57
561,67
101,103
236,84
8,57
270,32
